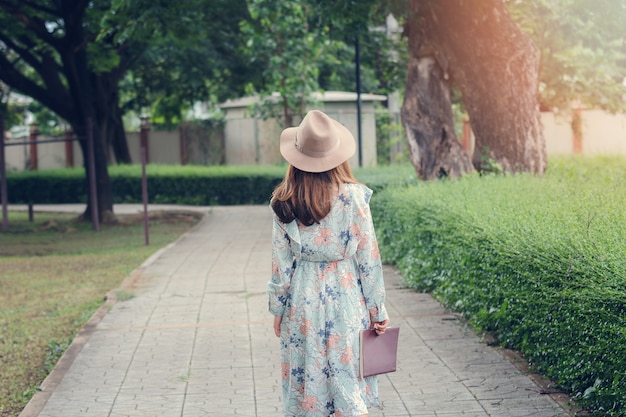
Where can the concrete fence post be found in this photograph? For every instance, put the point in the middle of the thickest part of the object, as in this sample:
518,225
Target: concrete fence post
33,134
144,136
69,148
182,140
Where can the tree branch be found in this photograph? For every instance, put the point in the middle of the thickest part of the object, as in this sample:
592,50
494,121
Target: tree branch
35,6
45,65
33,24
11,76
23,53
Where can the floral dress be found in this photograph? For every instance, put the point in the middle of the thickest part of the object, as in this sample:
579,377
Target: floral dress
326,284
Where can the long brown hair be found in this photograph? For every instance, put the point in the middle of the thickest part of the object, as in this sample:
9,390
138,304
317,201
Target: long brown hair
307,196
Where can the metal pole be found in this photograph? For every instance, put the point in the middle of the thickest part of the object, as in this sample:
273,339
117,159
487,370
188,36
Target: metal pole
357,53
93,195
3,174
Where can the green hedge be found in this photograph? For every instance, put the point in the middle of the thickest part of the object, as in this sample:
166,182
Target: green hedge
169,184
538,262
192,185
62,186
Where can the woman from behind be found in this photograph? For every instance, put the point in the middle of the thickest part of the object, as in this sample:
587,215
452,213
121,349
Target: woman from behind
327,282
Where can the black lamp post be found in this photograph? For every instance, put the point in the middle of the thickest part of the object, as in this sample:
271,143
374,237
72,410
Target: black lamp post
357,59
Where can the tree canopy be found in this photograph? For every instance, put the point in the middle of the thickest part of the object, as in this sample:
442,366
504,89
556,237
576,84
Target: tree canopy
80,58
71,56
307,46
582,46
198,60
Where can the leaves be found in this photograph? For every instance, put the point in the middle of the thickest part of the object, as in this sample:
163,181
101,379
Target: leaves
583,51
307,46
284,39
538,262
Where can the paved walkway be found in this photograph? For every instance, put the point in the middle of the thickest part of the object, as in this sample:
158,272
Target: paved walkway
196,340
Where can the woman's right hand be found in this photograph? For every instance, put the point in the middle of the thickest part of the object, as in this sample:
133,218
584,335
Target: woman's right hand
380,326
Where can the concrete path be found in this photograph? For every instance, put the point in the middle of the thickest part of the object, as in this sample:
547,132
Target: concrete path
196,340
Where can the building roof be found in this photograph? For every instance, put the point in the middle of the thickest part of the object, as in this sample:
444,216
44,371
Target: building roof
325,97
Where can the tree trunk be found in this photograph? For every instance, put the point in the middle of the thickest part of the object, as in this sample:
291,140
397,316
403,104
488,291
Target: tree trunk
427,118
103,189
427,114
496,67
82,94
106,90
65,87
119,144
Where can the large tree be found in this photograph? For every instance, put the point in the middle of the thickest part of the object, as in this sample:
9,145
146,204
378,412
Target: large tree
477,47
44,56
70,56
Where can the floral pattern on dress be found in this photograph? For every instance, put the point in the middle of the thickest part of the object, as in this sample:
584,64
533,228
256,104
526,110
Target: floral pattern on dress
326,282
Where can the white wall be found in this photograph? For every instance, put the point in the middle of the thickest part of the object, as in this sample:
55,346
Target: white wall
557,132
250,142
603,133
163,147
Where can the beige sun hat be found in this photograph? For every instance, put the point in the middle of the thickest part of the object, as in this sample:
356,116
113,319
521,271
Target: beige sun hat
319,144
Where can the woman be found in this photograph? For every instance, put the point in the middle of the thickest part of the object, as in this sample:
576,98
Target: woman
327,281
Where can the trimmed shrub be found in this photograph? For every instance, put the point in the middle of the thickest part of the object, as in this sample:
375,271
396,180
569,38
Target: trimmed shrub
537,261
191,185
175,184
59,186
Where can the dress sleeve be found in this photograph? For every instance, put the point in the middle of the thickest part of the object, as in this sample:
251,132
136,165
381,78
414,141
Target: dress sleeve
368,257
282,269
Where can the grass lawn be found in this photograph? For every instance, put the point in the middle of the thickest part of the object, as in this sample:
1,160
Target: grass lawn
54,274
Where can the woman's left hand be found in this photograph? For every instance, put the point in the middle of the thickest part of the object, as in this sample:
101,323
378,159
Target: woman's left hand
277,322
379,326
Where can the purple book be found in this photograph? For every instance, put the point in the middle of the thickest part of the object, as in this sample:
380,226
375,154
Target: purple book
378,353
